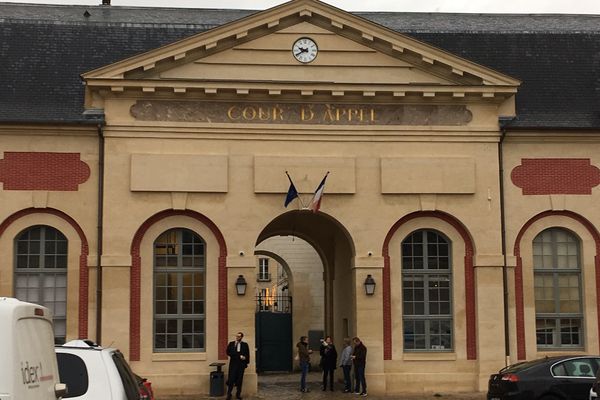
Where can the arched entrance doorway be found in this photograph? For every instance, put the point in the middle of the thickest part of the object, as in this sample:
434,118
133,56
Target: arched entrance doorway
316,255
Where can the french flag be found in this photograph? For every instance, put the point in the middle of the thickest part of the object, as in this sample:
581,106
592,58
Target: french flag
316,201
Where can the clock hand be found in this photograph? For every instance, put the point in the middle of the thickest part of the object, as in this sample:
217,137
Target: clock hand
302,50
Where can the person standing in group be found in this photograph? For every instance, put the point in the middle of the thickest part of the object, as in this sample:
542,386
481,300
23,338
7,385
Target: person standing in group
239,357
346,364
328,361
359,357
304,360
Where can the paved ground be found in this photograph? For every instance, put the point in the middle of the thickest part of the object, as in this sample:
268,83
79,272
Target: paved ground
286,386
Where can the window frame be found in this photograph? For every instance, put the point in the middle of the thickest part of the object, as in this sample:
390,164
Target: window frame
556,272
427,274
263,270
43,273
180,270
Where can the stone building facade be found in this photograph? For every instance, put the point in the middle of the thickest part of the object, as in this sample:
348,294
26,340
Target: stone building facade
132,205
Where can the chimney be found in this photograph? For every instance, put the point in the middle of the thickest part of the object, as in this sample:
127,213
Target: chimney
106,2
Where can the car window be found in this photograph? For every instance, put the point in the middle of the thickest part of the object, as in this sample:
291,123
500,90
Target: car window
73,372
129,382
514,368
579,367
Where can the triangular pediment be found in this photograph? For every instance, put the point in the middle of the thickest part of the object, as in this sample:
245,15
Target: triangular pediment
339,60
255,54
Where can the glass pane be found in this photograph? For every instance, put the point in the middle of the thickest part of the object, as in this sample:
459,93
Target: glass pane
61,262
187,249
61,247
439,334
187,307
561,249
569,293
544,293
414,295
160,307
34,261
171,307
34,233
545,330
22,262
562,262
414,335
22,247
34,247
50,247
432,250
570,332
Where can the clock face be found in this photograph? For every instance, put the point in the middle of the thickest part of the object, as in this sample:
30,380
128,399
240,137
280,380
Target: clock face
305,50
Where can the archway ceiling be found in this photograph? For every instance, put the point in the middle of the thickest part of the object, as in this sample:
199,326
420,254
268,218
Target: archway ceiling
322,232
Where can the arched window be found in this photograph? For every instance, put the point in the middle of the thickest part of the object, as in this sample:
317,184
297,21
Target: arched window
179,291
426,292
41,273
557,277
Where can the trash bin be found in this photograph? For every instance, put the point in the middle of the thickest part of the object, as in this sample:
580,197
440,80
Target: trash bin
217,380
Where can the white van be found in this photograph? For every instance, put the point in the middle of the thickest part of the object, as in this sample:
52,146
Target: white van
28,369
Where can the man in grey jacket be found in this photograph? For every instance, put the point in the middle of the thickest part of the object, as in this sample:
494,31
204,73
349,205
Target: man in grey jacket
346,364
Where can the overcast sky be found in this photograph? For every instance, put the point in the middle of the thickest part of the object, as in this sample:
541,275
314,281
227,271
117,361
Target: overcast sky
477,6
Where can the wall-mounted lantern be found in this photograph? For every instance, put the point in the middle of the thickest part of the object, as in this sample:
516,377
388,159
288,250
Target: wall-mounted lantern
240,285
369,285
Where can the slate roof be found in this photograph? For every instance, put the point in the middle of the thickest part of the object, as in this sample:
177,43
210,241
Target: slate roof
44,49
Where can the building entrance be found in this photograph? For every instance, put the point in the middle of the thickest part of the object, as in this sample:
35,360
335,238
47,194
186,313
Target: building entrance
307,257
273,322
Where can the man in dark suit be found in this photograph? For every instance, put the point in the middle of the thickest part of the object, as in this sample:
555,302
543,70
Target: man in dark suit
239,357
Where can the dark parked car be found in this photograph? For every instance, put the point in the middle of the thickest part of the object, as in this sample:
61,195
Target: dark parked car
550,378
145,386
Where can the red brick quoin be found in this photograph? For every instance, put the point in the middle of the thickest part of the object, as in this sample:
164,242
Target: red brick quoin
135,285
556,176
43,171
83,256
519,302
469,281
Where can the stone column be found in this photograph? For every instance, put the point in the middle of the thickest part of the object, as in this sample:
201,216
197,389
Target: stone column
369,320
490,316
240,312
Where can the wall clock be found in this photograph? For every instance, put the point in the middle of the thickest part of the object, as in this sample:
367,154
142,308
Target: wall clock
305,50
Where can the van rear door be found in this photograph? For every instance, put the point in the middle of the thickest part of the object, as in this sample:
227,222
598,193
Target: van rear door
28,369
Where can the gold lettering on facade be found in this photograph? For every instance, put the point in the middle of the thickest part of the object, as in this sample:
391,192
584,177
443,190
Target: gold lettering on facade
306,114
277,113
249,113
230,113
301,113
347,114
252,113
328,114
264,114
